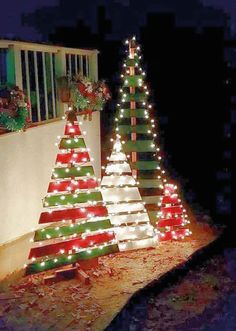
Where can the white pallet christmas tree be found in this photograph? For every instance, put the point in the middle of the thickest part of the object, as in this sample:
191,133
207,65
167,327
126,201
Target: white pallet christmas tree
125,207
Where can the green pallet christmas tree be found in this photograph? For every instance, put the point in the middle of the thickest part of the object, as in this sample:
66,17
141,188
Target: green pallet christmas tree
138,132
78,227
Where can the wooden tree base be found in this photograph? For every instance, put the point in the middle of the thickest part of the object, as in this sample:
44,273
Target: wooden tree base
77,271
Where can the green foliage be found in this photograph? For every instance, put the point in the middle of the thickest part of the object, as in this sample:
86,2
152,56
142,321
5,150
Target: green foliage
14,123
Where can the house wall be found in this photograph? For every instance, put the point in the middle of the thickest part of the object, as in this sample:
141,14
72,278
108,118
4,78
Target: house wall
26,163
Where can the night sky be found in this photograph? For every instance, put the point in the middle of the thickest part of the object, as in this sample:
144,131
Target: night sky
11,17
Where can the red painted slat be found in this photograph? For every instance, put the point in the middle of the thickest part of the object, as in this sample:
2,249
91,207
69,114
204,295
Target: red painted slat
171,210
72,214
174,221
67,245
72,185
170,199
72,129
169,235
75,157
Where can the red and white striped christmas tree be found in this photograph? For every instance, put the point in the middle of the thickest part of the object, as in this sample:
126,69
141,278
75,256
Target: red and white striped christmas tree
78,227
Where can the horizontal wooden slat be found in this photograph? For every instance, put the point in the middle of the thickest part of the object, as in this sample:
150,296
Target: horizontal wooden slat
64,260
145,165
139,146
68,230
71,199
152,199
132,62
72,143
72,214
149,183
72,185
173,221
72,129
139,113
73,172
135,80
171,210
76,157
139,128
138,97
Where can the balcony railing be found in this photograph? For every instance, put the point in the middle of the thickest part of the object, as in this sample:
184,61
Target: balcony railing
34,69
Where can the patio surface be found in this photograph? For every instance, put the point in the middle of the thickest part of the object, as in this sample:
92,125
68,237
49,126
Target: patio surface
27,304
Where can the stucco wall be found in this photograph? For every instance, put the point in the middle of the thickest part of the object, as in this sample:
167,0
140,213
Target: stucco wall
26,162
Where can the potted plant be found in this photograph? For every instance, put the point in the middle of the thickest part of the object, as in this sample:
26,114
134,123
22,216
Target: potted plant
64,88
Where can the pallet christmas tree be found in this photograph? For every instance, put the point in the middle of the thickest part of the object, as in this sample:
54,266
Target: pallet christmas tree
79,225
137,129
126,210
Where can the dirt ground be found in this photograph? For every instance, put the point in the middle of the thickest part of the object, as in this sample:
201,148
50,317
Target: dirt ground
28,304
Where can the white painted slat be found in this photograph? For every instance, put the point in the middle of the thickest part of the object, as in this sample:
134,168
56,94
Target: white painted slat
81,67
37,85
27,75
53,86
69,63
120,194
134,232
123,207
137,244
87,65
138,217
117,180
45,86
118,168
76,64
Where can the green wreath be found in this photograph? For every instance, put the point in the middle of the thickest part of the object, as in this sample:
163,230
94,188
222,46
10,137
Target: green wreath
15,123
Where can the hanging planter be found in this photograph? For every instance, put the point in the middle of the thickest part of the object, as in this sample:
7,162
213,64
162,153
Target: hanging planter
83,95
13,109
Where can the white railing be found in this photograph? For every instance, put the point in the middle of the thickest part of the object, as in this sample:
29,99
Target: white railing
34,69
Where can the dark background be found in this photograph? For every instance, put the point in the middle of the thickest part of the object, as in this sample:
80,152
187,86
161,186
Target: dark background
189,56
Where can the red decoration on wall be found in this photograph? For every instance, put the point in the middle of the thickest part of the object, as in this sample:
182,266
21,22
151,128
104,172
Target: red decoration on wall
67,245
72,214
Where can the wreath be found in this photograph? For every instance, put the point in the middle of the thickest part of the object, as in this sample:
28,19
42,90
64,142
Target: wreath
83,95
13,108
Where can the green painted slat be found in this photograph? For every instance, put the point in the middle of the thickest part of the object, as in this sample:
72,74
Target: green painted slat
131,62
139,113
152,199
73,172
149,183
72,199
133,80
139,128
153,217
145,165
50,233
72,143
148,174
63,259
139,146
138,97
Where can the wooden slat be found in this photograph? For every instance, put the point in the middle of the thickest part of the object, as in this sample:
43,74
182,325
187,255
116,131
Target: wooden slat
45,86
27,75
37,86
